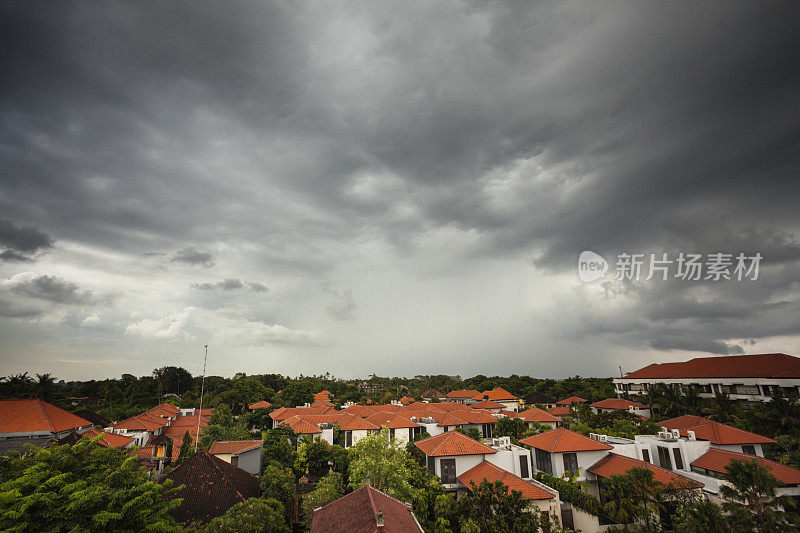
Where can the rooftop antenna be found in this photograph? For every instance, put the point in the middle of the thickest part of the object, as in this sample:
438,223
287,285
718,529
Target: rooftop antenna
202,390
620,371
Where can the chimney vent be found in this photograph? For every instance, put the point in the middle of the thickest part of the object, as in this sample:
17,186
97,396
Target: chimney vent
379,519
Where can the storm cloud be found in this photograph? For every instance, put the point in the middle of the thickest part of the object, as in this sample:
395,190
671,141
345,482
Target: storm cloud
413,181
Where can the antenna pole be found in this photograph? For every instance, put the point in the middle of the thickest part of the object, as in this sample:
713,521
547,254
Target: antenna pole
202,390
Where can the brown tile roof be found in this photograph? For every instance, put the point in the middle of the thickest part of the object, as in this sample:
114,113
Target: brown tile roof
107,440
452,443
355,423
562,440
391,420
476,416
450,419
559,410
714,432
497,394
34,415
491,473
618,403
356,513
716,460
212,486
164,410
770,365
616,465
465,394
300,426
432,393
487,404
260,405
572,399
142,422
234,446
534,414
405,400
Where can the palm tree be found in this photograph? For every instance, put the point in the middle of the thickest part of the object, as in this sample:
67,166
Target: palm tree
704,517
19,385
621,505
43,388
751,495
785,412
722,408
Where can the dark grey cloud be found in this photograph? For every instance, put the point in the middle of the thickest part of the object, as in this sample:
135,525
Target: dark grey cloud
230,284
21,243
305,142
193,256
52,289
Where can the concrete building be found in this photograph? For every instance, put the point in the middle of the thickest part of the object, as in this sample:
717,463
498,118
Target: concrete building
246,454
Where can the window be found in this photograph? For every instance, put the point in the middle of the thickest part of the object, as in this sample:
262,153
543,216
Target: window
448,467
663,458
348,439
570,463
543,461
391,433
645,455
235,460
749,449
432,465
487,431
678,459
523,466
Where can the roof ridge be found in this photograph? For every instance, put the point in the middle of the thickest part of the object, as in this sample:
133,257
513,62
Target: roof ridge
44,413
371,499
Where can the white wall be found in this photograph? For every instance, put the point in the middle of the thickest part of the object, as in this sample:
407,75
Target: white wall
250,461
738,448
585,460
509,460
463,463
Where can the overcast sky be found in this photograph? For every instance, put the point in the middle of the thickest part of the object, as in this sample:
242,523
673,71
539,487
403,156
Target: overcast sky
392,187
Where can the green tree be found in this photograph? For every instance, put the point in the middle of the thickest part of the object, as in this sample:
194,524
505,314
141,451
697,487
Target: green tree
279,482
383,460
256,515
84,487
328,489
279,446
622,503
187,448
221,416
45,383
509,427
491,507
702,517
473,433
751,496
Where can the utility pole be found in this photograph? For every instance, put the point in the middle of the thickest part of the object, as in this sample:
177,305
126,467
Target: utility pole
202,390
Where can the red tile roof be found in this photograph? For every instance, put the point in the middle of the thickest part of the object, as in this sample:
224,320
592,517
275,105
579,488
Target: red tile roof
300,426
770,365
452,443
283,413
716,460
142,422
450,419
618,403
164,410
572,399
714,432
405,400
491,473
616,465
356,513
534,414
34,415
560,410
487,404
211,487
465,394
562,440
355,423
260,405
234,446
107,440
476,416
391,420
497,394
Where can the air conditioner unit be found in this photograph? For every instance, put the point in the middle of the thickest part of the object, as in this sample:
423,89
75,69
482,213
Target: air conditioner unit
603,438
594,436
676,433
495,442
664,435
691,435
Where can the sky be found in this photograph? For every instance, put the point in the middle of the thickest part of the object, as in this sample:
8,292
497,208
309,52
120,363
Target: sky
396,188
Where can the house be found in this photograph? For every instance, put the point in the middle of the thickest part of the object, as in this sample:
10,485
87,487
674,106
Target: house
430,394
450,454
107,440
614,465
534,414
141,427
32,421
405,400
561,451
401,428
260,405
365,510
489,405
323,396
537,399
499,395
719,435
712,466
246,454
748,378
560,410
210,487
609,405
462,396
542,497
571,400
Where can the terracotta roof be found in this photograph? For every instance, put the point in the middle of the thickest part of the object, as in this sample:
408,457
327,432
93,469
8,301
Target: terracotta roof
142,422
432,393
572,399
562,440
322,395
534,414
286,412
618,403
491,473
356,513
476,416
450,419
405,400
164,410
716,460
452,443
616,465
355,423
300,426
466,394
234,446
559,410
211,487
714,432
497,394
260,405
770,365
391,420
107,440
488,404
322,403
32,415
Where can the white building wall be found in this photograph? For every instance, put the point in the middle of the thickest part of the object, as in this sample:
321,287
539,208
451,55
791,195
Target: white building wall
250,461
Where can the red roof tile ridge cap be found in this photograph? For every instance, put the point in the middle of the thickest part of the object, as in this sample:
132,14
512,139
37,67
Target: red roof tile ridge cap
558,438
44,413
371,500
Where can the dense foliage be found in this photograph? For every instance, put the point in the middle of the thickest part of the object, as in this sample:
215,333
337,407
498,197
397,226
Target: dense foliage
571,492
256,515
